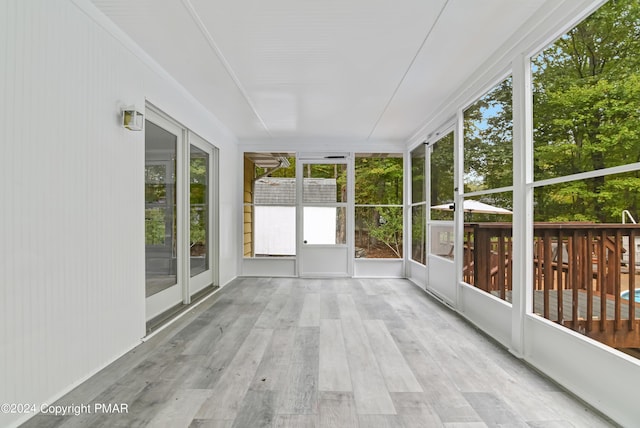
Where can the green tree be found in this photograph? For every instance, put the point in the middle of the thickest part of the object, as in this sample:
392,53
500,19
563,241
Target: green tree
386,227
586,108
378,181
488,140
198,176
441,176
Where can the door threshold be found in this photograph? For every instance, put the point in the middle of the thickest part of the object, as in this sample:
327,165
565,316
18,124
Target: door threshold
170,314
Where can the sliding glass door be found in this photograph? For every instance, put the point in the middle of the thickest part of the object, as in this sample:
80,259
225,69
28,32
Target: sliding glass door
163,141
179,192
201,194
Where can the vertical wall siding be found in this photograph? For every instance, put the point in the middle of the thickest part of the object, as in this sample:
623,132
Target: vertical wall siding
248,210
72,197
71,216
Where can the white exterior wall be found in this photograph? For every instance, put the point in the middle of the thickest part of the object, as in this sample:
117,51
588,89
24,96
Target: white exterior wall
319,225
72,278
275,230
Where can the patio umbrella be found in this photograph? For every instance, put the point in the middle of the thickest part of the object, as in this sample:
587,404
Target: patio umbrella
473,206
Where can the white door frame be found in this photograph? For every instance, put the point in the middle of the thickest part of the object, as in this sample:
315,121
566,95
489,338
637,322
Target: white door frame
169,297
185,286
208,277
441,272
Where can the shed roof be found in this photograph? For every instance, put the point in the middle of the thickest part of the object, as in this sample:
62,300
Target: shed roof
282,191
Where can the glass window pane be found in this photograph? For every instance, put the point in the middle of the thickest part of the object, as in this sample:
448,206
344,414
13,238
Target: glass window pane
587,95
269,204
587,245
160,208
325,225
488,249
442,240
199,210
488,141
155,226
269,178
418,241
441,178
326,183
378,232
275,231
378,179
595,200
418,174
274,191
586,99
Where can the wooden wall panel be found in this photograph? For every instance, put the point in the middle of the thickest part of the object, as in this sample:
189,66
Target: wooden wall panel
249,168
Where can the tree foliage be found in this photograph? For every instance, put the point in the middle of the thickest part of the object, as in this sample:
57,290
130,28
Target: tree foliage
586,93
198,176
441,176
488,140
586,116
378,182
381,224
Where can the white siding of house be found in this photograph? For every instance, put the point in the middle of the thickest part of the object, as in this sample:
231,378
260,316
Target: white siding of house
275,231
72,197
320,225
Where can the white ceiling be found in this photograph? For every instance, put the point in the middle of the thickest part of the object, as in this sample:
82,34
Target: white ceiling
361,70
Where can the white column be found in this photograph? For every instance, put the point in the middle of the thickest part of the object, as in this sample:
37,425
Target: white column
458,218
522,203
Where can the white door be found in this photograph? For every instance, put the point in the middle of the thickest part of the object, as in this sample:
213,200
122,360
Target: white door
324,242
164,212
202,231
180,227
440,225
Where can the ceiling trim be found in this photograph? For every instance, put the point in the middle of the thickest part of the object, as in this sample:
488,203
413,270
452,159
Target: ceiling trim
216,50
413,60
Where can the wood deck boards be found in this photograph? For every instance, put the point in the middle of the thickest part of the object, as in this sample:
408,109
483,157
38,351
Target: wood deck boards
567,304
322,353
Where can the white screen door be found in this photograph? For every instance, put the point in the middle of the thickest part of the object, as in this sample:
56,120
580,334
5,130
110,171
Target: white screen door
323,234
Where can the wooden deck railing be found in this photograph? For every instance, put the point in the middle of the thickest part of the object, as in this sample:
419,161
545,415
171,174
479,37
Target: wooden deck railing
580,271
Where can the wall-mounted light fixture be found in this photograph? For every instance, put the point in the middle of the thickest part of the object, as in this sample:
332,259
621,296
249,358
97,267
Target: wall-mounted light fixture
132,119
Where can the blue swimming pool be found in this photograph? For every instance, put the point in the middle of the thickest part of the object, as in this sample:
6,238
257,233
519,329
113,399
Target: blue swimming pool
625,295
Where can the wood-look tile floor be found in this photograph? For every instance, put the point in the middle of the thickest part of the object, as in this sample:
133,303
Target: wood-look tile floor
274,352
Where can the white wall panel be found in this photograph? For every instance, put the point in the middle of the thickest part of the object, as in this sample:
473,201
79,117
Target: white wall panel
269,267
604,378
72,195
442,278
378,268
488,312
417,273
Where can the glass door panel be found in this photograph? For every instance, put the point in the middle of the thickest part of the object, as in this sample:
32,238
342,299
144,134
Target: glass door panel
199,210
179,236
160,209
201,243
325,225
325,183
441,272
